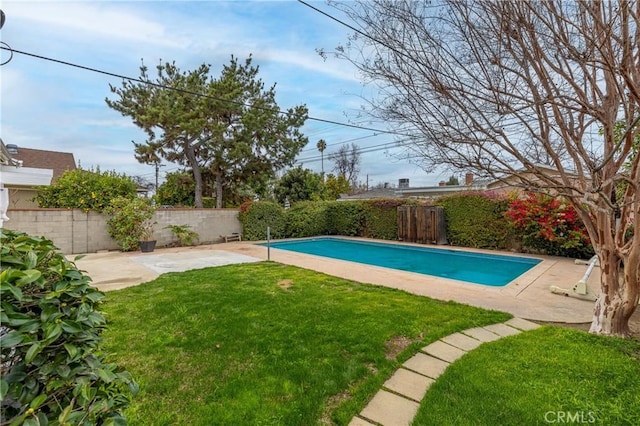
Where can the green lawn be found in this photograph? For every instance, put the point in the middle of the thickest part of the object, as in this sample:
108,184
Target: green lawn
269,344
265,343
540,377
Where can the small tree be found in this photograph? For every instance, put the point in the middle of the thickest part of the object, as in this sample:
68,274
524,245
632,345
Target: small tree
52,369
299,185
178,189
334,186
86,190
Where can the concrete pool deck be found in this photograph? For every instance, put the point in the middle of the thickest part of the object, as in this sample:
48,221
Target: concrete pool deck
526,297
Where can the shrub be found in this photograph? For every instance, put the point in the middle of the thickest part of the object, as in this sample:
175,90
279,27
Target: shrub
307,219
549,225
131,221
256,216
185,236
86,190
52,368
476,220
345,218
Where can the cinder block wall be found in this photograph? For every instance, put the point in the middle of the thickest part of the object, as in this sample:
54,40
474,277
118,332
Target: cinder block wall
75,231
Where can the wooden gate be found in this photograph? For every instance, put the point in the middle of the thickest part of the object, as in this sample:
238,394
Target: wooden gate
422,224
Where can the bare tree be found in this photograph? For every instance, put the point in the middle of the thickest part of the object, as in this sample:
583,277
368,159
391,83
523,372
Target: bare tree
498,86
347,163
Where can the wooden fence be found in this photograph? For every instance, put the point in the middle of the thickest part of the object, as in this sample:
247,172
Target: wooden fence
422,224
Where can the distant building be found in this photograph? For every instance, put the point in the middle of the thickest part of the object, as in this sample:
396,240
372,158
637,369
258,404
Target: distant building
404,190
23,169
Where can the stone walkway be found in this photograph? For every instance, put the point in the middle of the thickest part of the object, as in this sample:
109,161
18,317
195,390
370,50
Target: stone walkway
397,403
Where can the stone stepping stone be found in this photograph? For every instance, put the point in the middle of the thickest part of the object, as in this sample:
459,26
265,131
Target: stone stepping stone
503,330
357,421
426,365
409,384
389,409
522,324
482,334
462,341
444,351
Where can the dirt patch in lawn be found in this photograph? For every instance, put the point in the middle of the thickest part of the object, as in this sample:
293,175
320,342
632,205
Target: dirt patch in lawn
396,345
285,284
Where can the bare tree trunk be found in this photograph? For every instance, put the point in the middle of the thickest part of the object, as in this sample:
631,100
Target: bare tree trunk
616,302
620,276
218,190
197,175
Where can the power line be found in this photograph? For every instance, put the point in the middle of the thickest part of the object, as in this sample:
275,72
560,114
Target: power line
362,33
188,92
374,148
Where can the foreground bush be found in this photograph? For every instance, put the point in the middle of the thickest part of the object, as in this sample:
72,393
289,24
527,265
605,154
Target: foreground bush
52,369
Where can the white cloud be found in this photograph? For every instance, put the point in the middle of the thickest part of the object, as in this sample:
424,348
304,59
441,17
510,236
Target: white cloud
99,19
309,61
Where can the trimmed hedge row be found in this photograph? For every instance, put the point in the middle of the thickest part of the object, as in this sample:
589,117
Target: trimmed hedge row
476,220
473,219
373,219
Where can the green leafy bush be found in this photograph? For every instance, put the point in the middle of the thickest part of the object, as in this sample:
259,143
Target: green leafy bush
307,219
549,225
476,220
86,190
345,218
185,236
52,369
381,217
131,221
298,184
256,216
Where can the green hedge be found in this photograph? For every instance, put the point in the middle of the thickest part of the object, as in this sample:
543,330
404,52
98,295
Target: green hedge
473,219
256,216
476,220
381,217
307,219
345,218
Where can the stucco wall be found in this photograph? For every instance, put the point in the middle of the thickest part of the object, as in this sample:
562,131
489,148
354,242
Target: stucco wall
74,231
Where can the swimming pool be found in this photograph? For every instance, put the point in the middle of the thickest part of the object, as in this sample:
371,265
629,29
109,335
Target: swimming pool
477,268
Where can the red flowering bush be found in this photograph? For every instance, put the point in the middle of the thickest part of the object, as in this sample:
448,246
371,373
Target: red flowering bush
550,225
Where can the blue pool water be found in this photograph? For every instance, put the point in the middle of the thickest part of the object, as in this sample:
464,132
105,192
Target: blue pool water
488,269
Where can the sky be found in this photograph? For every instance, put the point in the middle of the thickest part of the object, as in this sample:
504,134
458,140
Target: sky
51,106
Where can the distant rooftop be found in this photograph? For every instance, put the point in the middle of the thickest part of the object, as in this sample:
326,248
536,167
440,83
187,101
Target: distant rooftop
59,162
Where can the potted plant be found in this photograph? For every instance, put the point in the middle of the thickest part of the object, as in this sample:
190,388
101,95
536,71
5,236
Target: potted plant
131,223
